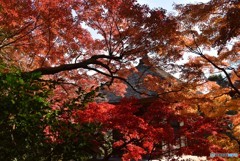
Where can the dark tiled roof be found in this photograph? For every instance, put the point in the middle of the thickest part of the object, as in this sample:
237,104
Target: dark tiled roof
136,80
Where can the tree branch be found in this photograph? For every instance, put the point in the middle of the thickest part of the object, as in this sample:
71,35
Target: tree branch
199,52
66,67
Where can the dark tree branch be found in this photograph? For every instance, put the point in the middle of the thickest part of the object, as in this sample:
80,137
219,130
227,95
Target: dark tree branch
84,64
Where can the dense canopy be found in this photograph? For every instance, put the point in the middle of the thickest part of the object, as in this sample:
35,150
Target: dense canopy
58,57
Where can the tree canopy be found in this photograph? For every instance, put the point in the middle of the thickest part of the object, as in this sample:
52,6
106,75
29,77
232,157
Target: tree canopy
57,56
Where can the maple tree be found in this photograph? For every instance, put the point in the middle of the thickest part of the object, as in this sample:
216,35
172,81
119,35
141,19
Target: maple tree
52,38
51,48
212,35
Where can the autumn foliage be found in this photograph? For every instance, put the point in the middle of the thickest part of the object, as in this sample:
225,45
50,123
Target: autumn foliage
58,57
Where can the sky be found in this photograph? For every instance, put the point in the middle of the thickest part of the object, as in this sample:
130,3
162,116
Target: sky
167,4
